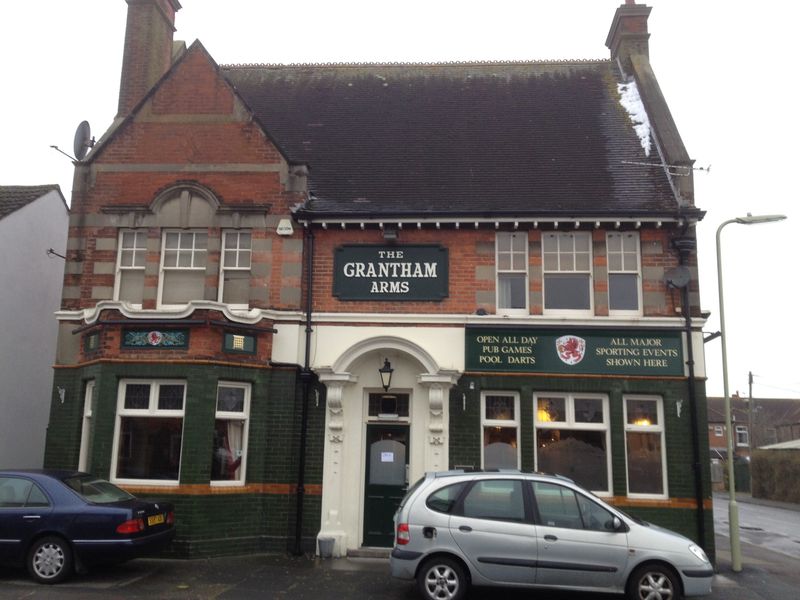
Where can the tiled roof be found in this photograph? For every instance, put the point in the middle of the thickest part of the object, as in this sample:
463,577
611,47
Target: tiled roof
775,411
541,138
14,197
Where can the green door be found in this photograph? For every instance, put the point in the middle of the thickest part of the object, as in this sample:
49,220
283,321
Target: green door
386,481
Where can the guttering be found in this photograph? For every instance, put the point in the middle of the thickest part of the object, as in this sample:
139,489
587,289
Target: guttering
542,223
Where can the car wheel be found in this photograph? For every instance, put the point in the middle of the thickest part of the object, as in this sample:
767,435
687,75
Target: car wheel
653,582
50,560
442,579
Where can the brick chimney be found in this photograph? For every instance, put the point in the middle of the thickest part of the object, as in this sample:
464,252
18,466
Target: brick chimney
628,35
148,49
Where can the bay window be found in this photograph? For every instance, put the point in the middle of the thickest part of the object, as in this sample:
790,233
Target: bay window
230,433
149,431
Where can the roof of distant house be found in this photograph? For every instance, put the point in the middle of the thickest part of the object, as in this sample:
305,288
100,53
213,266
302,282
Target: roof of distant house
549,139
14,197
775,411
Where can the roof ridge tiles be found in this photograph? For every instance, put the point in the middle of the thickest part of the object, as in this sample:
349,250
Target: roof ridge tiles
456,63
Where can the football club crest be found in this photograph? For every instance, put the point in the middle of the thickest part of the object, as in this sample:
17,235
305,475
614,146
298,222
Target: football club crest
571,349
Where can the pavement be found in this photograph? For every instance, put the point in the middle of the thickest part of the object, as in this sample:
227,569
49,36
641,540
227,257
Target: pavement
766,575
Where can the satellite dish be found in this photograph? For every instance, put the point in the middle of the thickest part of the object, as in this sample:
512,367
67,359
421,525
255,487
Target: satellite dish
678,277
83,140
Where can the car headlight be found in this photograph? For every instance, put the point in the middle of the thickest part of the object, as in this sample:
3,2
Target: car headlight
698,552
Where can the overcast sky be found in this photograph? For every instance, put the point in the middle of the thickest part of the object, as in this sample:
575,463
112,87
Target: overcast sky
727,70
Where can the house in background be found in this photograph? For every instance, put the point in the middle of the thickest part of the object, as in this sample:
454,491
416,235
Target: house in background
33,219
252,247
756,422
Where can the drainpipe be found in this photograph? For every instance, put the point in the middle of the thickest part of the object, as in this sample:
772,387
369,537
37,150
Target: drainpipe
306,376
685,245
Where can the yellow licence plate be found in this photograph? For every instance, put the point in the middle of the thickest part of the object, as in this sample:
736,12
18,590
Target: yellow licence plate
155,519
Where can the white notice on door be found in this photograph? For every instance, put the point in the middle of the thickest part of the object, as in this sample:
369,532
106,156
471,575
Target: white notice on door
387,456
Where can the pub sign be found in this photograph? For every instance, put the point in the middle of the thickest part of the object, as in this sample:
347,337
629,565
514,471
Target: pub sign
383,272
573,351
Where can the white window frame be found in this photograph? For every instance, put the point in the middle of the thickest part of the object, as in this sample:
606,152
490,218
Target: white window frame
508,249
239,253
563,269
505,423
652,428
151,411
86,427
163,268
136,248
235,416
571,423
742,434
718,430
625,269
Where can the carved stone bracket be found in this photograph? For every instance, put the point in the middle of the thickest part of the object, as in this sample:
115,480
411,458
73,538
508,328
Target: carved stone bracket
336,383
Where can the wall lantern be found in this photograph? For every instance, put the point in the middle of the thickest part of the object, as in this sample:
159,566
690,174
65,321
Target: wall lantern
386,374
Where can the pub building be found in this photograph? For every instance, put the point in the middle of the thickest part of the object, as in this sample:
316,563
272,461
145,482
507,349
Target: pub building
291,291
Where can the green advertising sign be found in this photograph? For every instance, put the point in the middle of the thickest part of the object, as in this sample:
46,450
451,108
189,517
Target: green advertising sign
407,272
568,351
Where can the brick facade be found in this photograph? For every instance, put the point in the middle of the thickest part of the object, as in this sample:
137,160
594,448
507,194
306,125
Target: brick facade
194,158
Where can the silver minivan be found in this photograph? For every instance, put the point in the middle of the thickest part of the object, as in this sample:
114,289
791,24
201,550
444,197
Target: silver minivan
508,528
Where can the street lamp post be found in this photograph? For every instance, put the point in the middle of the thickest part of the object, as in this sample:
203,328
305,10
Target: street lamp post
733,507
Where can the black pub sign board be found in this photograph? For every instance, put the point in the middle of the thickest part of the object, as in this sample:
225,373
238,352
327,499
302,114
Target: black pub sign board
396,272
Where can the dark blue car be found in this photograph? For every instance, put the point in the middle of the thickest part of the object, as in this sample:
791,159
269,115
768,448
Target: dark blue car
54,522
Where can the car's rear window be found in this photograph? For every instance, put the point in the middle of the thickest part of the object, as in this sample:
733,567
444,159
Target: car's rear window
410,491
98,491
444,499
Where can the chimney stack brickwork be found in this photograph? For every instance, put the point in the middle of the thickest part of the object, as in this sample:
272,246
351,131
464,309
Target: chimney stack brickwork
148,49
628,35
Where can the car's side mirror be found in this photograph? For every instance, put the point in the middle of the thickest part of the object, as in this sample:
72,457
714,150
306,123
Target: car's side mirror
617,524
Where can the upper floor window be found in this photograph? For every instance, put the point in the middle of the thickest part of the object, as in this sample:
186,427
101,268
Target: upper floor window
567,265
512,272
183,267
624,282
234,273
131,254
742,436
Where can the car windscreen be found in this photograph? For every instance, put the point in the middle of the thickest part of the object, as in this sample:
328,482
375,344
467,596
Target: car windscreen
96,490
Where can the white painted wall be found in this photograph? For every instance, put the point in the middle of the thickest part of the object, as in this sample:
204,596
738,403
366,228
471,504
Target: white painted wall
30,292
